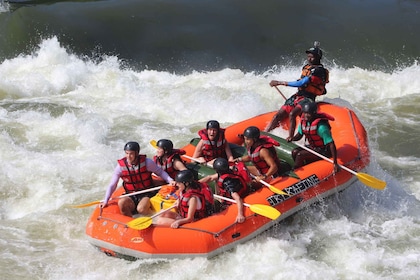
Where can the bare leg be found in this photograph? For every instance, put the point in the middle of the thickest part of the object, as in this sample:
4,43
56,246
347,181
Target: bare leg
278,117
293,115
144,206
126,206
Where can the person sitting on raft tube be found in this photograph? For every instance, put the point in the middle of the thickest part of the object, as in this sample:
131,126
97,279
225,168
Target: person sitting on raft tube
212,144
261,152
230,183
136,172
193,203
317,131
311,84
168,158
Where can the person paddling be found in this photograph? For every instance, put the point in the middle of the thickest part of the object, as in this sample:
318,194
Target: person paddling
136,171
311,84
193,203
315,127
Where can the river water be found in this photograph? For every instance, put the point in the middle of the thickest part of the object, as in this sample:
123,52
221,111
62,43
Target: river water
81,78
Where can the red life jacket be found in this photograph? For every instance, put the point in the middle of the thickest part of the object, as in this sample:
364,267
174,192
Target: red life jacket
243,184
240,169
309,129
167,165
185,198
138,178
260,164
316,85
213,149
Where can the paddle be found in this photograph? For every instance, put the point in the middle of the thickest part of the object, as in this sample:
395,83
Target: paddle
154,144
271,187
114,198
280,93
260,209
366,179
145,222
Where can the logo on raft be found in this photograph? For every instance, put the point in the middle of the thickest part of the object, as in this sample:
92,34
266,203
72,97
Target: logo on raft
137,239
294,189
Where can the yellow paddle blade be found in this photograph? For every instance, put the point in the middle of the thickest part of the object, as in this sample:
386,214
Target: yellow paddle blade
86,204
265,210
371,181
140,223
277,191
153,143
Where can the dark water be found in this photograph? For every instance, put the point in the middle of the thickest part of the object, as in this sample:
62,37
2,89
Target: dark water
181,36
64,119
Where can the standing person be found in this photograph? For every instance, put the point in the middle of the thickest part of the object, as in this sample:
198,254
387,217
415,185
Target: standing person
212,144
311,84
229,184
263,155
315,126
168,158
136,171
191,203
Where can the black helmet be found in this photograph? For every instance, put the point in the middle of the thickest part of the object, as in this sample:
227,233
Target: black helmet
166,145
184,176
315,50
213,124
132,146
221,165
252,132
310,107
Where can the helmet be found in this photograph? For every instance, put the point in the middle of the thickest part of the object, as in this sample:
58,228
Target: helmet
221,165
166,145
132,146
315,50
310,107
213,124
184,176
252,132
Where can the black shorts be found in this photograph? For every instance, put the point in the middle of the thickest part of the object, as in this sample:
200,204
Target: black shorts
136,198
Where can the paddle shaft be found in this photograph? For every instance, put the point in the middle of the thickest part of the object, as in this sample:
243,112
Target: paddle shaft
327,159
229,199
162,211
272,188
280,92
136,193
145,222
262,182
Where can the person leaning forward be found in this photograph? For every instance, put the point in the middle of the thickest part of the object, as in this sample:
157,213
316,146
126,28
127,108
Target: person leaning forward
311,84
193,203
136,171
229,184
261,152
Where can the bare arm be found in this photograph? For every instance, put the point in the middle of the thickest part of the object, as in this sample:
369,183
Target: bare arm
179,165
228,152
333,150
266,156
198,149
240,218
192,207
209,178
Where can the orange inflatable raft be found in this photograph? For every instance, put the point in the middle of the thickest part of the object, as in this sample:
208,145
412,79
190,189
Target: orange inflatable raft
108,230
